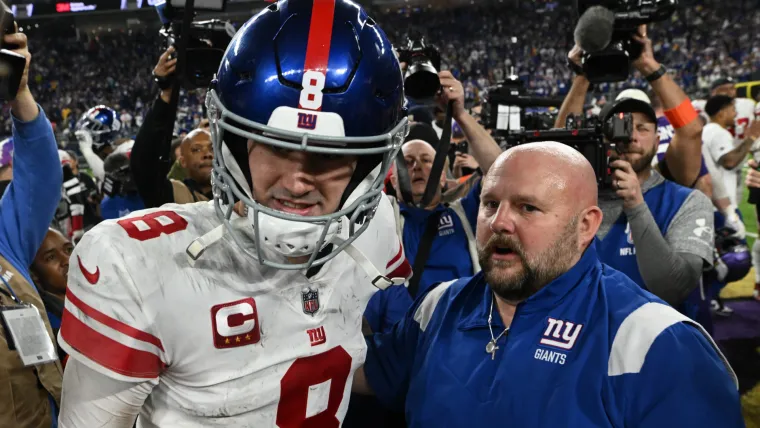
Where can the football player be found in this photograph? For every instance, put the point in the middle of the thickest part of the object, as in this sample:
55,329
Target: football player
247,310
96,132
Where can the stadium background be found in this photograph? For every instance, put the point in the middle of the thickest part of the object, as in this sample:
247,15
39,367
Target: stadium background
103,52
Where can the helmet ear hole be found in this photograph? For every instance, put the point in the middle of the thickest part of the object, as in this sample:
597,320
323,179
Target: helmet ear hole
274,7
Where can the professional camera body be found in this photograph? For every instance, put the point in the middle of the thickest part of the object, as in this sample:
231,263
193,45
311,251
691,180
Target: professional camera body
597,139
12,65
508,108
515,118
612,63
422,64
206,44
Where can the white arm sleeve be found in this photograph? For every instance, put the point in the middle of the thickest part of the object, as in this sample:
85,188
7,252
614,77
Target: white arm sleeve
91,399
719,191
95,163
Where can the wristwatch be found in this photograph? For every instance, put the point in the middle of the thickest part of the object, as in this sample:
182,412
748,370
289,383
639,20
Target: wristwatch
575,68
657,74
163,82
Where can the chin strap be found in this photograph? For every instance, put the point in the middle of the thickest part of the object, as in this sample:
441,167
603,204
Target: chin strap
378,279
199,246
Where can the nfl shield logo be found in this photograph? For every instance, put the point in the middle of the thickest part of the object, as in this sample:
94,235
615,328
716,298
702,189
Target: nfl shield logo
310,301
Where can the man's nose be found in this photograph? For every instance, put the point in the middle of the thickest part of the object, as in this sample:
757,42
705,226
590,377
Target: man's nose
299,178
503,221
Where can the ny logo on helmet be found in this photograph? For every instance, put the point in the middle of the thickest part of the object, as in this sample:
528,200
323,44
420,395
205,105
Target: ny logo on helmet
307,121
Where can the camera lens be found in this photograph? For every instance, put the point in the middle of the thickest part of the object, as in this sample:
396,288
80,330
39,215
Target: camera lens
421,80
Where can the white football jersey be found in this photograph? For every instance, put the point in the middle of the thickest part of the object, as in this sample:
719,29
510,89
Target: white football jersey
699,105
745,114
232,342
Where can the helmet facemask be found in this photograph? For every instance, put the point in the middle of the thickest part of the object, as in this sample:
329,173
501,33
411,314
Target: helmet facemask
279,236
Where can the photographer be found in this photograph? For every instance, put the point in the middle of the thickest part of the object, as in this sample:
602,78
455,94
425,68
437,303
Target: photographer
657,232
684,153
452,249
30,392
149,161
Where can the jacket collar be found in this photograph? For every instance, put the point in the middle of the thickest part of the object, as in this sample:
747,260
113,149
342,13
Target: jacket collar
480,295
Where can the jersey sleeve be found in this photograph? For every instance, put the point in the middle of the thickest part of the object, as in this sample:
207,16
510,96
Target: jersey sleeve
690,231
105,325
396,264
700,390
718,144
391,355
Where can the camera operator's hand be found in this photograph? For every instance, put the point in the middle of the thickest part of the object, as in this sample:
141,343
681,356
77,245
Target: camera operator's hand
451,90
626,184
24,107
575,55
645,63
753,175
463,160
165,68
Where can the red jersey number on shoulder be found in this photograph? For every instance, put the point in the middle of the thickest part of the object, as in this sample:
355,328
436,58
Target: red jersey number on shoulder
153,225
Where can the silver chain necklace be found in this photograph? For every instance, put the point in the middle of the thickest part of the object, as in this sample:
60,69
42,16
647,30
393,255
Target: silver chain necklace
491,346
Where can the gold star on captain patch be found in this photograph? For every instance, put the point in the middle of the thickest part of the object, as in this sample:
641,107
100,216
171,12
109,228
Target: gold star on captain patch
247,337
227,341
237,339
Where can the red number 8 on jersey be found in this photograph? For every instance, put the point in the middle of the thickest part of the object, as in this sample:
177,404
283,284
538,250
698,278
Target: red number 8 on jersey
328,369
152,225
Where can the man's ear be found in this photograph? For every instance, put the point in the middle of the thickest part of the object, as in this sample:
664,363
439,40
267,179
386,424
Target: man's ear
182,161
589,222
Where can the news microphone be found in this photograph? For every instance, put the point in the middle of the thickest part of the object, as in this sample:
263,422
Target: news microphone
594,30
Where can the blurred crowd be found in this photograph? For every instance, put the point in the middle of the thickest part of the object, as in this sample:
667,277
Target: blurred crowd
660,204
480,44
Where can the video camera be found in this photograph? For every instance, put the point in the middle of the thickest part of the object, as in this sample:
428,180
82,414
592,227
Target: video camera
507,108
12,64
422,64
506,113
595,138
605,32
206,44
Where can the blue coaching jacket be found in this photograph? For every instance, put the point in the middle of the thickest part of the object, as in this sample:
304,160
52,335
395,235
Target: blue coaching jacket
591,349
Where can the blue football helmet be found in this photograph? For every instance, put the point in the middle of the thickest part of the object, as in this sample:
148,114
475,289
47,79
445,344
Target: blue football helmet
104,125
733,254
317,76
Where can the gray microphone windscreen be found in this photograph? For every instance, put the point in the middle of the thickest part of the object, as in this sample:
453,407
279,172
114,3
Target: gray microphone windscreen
594,30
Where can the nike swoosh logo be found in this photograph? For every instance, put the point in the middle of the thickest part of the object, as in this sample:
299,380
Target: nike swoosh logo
91,277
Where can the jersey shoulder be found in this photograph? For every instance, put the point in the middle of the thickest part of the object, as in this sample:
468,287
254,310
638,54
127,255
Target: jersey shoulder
381,244
145,240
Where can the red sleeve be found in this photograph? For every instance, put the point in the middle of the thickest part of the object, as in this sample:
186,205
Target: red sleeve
398,266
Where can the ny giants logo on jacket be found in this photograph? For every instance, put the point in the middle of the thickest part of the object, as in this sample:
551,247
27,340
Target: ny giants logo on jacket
561,334
558,334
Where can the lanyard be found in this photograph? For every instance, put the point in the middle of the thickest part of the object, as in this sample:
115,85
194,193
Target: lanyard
12,295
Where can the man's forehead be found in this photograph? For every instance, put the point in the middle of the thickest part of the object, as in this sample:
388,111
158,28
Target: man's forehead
641,118
417,147
530,172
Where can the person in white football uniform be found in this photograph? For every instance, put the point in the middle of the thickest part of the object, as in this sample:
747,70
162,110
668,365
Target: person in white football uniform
246,311
746,114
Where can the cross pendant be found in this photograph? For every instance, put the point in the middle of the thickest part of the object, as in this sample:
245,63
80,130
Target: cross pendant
491,349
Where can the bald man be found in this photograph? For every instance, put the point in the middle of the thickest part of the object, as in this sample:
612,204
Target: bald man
545,335
150,172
